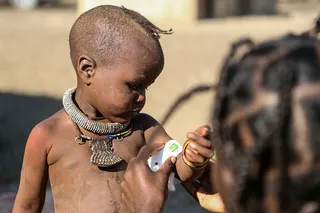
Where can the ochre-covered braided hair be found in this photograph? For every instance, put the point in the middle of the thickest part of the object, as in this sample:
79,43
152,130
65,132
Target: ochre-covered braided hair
266,120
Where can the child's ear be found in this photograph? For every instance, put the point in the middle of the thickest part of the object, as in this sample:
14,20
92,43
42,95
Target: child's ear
86,68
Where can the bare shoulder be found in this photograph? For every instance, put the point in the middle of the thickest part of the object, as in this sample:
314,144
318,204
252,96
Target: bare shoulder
146,121
41,134
153,130
35,164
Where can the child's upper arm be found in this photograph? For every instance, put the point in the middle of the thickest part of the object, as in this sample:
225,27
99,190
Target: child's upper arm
34,172
153,131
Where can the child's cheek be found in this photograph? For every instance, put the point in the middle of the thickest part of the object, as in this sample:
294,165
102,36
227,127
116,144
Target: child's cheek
124,100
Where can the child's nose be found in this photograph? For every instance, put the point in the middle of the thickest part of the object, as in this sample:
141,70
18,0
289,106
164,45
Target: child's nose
141,97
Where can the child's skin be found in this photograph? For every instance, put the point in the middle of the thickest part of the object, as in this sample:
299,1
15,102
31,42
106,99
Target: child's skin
116,92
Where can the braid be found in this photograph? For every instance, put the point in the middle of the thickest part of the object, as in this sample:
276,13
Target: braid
227,66
184,97
203,88
267,110
268,95
313,32
152,29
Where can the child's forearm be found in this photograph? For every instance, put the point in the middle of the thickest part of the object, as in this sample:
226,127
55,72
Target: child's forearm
185,172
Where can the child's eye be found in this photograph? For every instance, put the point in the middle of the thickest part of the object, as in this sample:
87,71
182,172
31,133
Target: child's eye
133,87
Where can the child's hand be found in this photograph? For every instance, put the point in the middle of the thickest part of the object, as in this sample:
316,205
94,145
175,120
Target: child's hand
198,149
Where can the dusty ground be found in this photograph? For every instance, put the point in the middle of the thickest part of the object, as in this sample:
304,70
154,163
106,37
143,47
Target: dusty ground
36,70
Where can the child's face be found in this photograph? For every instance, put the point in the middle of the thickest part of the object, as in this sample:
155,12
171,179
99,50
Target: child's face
118,90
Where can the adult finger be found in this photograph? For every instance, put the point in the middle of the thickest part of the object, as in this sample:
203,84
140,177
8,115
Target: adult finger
211,202
166,169
147,151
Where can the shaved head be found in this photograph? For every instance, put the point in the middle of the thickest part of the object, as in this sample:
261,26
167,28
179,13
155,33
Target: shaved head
106,32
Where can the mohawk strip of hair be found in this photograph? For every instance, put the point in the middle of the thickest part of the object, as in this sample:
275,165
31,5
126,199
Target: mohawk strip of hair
104,31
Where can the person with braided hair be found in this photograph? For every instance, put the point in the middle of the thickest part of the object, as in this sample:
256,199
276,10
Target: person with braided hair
84,148
266,124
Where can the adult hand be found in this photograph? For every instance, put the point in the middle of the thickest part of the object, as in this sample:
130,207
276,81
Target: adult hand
142,189
207,200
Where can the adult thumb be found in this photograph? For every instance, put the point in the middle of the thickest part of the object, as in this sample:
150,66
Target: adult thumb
166,169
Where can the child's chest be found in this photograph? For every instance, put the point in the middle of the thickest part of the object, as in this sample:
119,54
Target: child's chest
67,150
82,187
74,178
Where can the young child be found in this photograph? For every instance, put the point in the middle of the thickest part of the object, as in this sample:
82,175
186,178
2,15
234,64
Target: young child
84,148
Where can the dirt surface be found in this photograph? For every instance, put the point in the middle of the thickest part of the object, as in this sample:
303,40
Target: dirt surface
36,70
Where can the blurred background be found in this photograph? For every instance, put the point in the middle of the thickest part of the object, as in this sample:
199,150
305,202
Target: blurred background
36,70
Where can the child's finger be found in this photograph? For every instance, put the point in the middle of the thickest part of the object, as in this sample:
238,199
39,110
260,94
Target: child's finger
193,157
203,130
201,140
196,148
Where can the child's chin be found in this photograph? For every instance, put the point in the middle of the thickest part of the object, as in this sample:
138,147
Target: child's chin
127,118
131,115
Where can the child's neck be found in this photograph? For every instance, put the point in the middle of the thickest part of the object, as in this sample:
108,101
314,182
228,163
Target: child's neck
87,108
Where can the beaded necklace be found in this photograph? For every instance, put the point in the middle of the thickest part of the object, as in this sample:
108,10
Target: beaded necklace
102,148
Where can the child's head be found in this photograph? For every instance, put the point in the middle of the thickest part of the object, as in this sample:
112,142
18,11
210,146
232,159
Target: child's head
267,115
116,55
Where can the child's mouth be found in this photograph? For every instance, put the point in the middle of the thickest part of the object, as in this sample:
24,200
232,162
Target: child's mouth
135,111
